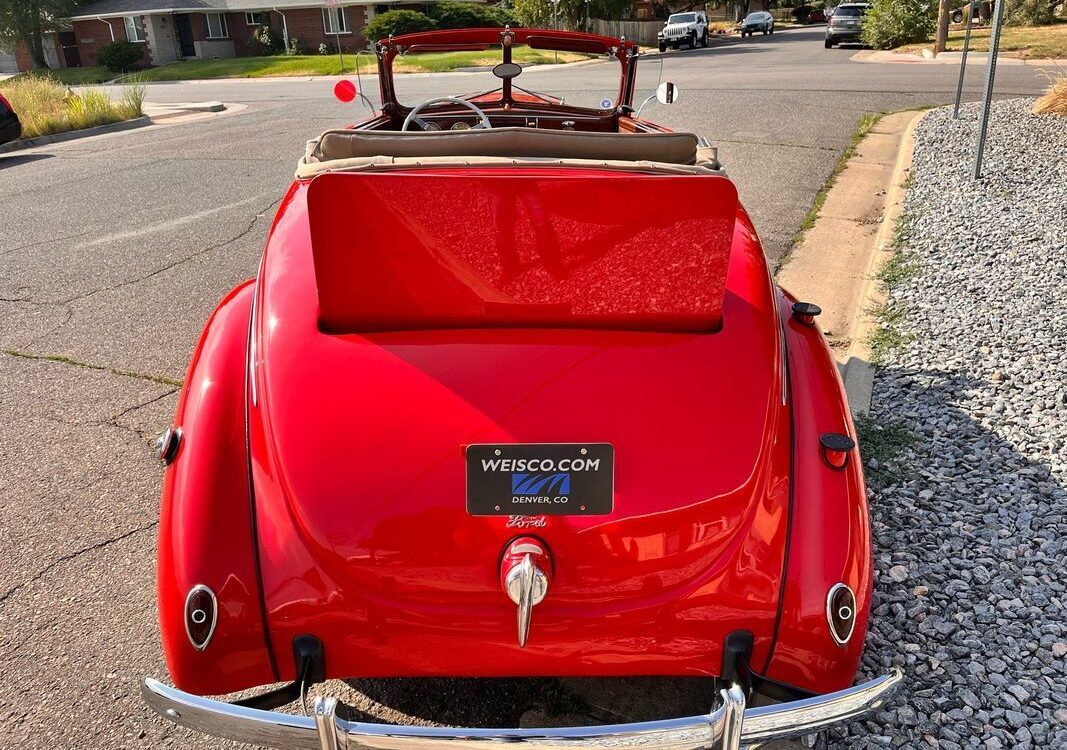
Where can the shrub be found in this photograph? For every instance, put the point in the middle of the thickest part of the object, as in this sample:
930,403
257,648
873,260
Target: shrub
264,41
120,57
397,22
1028,13
134,90
46,106
457,15
891,23
1054,101
801,13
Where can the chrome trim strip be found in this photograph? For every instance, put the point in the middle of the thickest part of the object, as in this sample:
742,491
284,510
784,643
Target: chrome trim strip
708,732
253,336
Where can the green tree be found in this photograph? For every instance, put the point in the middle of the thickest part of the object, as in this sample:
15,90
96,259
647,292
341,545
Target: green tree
891,23
536,13
1029,13
570,14
27,20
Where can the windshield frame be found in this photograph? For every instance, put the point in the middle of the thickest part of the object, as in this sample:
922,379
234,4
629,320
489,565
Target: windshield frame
623,50
681,18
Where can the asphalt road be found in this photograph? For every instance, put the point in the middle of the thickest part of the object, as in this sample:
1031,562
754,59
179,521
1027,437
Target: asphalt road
114,250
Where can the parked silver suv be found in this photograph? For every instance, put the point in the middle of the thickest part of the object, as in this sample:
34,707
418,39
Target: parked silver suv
845,23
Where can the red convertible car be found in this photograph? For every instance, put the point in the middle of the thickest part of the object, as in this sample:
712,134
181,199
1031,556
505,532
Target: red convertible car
512,394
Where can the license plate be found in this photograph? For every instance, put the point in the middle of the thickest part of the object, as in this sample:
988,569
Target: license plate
540,479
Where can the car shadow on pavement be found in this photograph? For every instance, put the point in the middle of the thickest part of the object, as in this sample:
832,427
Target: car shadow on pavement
14,160
725,47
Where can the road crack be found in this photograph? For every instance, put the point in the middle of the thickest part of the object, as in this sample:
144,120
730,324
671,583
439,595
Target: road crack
161,379
180,261
114,419
73,556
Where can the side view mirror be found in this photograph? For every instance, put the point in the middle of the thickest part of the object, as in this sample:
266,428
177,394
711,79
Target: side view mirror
667,93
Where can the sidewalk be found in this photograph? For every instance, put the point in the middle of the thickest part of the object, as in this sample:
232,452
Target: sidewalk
834,263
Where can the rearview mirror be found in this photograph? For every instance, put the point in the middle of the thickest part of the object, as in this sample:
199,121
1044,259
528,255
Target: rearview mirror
667,93
506,71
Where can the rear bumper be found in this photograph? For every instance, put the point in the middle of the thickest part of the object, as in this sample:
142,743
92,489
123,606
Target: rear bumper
844,35
728,727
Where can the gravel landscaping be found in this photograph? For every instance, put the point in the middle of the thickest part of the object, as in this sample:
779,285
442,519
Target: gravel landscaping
967,445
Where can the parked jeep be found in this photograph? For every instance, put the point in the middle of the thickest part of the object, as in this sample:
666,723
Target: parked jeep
684,28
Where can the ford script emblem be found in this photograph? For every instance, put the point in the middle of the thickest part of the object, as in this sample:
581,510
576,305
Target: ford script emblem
526,522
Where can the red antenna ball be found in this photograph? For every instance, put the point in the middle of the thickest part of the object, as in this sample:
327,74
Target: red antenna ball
345,90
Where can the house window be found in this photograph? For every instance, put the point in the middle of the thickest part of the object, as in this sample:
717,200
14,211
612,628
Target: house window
134,28
334,21
216,26
261,18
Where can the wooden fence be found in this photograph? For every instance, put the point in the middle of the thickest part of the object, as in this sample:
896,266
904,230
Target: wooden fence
644,32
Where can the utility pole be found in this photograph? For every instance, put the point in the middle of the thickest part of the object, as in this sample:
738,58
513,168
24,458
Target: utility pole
943,14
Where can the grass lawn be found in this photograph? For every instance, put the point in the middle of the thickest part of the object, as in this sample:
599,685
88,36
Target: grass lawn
1038,42
75,76
328,65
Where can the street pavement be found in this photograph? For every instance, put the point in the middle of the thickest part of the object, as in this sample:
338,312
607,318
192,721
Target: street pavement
115,249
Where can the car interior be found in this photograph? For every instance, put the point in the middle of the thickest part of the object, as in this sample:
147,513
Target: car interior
508,126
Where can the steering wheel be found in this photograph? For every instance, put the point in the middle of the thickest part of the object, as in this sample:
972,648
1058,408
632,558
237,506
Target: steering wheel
413,115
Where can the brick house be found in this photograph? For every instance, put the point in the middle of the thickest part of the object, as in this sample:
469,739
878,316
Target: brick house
173,30
18,59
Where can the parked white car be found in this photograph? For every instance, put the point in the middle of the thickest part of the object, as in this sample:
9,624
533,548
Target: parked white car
684,28
759,20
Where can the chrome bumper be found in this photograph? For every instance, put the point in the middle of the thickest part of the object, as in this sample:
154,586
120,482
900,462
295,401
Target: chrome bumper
728,727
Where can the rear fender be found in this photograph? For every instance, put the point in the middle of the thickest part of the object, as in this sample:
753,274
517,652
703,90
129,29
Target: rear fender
830,537
206,532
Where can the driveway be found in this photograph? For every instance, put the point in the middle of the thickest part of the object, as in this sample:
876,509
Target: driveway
114,250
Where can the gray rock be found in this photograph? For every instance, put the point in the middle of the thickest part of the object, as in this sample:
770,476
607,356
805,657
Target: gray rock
971,511
898,573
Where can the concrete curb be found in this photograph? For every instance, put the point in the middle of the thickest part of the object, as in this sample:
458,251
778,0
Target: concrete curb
73,135
951,58
858,372
159,112
835,263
